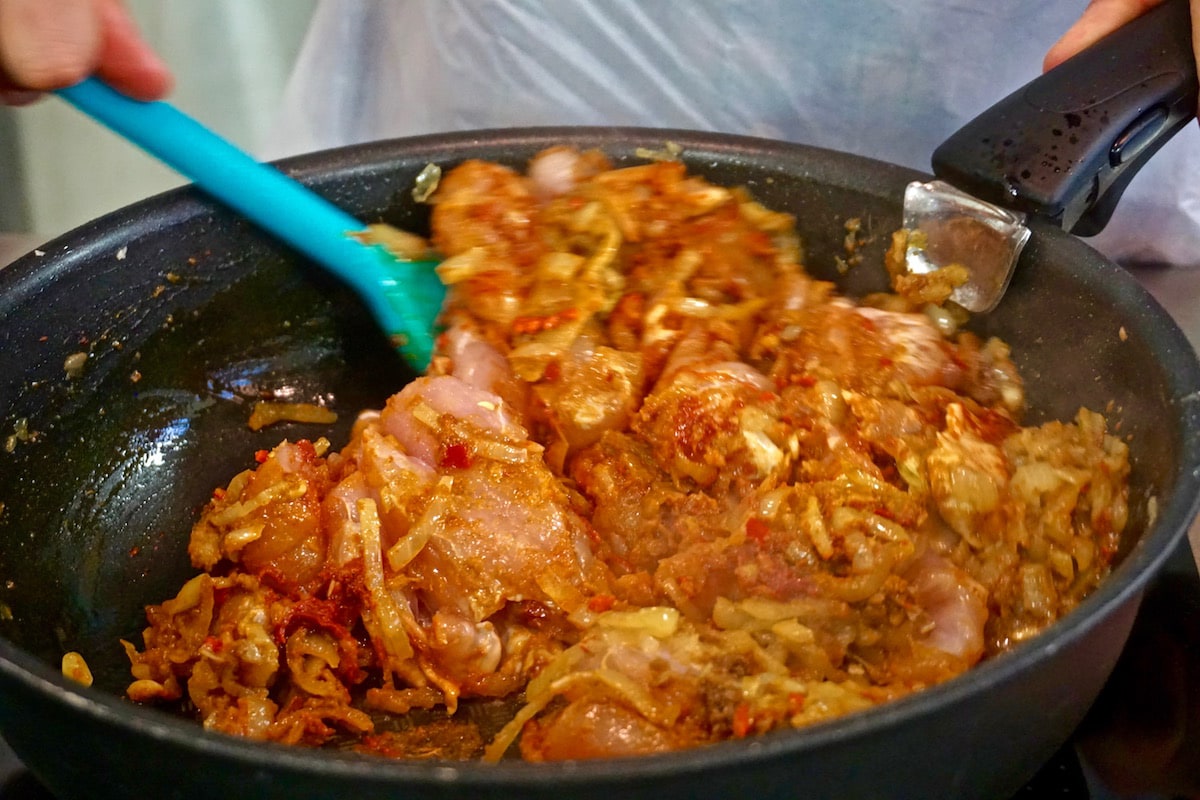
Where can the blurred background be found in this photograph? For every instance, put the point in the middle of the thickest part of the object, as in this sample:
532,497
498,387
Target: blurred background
231,61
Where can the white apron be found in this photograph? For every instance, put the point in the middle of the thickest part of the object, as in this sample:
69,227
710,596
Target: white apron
888,79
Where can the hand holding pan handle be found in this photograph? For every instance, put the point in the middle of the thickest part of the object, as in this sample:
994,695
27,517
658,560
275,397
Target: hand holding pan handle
1064,146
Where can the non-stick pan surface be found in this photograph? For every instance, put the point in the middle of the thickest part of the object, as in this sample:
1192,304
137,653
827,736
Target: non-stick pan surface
188,315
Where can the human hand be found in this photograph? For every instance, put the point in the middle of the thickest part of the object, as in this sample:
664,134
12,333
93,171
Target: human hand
50,44
1101,18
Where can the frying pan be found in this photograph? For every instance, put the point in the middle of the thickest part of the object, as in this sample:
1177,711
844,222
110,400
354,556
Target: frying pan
188,314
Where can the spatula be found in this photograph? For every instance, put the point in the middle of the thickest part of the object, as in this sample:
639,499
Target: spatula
404,296
1061,148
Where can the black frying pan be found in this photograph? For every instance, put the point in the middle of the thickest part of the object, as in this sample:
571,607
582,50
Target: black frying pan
188,314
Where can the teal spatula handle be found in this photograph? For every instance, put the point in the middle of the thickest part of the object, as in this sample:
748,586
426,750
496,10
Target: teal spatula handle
405,296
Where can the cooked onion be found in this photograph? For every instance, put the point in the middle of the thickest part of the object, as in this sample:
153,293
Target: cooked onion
269,413
661,488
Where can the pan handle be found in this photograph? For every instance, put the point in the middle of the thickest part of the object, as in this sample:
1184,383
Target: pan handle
1064,146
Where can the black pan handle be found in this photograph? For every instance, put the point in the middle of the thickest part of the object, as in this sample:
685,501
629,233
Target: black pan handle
1064,146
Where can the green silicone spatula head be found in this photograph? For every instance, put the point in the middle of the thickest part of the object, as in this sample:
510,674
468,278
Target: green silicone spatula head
405,296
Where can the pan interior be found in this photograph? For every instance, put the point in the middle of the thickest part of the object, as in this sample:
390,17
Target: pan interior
199,316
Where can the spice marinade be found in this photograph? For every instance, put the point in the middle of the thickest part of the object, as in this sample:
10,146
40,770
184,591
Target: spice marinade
659,488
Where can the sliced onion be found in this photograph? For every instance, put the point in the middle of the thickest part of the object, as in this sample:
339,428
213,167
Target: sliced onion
658,621
290,488
410,545
383,619
500,451
462,267
265,414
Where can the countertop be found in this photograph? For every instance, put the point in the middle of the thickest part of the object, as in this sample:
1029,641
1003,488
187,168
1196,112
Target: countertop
1177,289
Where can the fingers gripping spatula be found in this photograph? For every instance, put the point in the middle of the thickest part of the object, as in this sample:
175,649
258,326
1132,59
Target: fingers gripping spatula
1062,148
